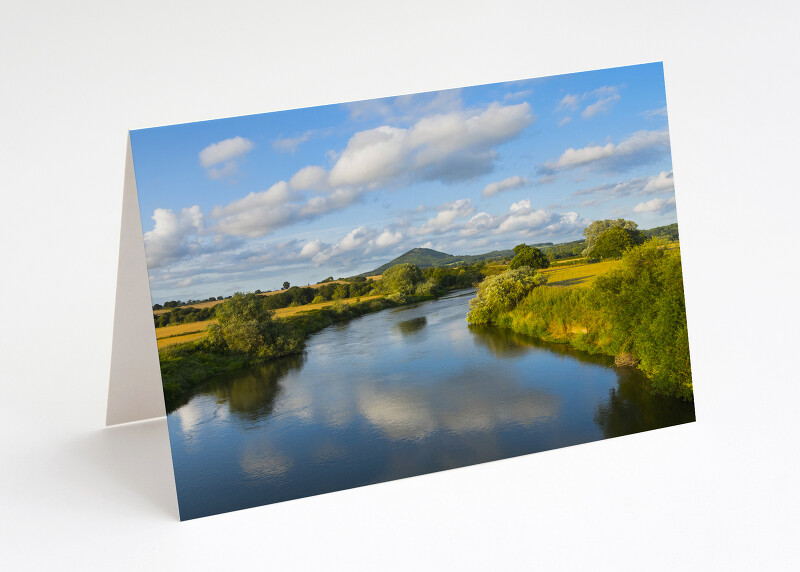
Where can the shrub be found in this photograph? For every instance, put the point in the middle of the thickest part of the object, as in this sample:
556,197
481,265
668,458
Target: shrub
501,292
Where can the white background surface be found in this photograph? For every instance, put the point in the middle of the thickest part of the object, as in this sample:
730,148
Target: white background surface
718,494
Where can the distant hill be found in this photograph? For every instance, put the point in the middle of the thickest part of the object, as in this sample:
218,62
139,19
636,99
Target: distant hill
427,257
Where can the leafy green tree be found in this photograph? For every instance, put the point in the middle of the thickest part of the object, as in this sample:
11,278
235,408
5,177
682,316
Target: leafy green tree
341,292
246,326
529,256
643,299
501,292
598,227
400,279
615,241
286,285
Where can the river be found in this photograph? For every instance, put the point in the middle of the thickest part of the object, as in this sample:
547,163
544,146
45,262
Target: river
397,393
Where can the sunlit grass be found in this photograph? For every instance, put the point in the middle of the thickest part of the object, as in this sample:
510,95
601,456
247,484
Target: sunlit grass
180,333
580,275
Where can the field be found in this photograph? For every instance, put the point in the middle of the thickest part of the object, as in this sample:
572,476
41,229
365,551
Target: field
179,333
210,303
577,275
580,275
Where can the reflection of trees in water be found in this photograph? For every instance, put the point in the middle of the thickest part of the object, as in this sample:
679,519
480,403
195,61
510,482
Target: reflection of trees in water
505,343
632,407
411,327
251,393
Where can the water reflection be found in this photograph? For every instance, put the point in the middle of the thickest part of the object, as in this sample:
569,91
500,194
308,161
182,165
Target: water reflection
631,407
250,394
411,327
393,394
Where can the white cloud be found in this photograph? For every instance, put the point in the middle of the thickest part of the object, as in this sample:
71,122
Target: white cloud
355,244
172,235
660,183
388,238
258,213
311,249
655,206
524,220
521,216
517,95
639,148
481,222
601,105
225,154
569,101
658,112
406,108
290,144
564,121
505,185
309,178
447,147
443,221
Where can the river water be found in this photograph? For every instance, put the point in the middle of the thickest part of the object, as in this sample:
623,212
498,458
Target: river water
393,394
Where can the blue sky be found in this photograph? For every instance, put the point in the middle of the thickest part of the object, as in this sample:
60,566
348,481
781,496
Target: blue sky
245,203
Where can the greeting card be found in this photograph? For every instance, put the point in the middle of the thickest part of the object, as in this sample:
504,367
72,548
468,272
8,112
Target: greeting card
332,297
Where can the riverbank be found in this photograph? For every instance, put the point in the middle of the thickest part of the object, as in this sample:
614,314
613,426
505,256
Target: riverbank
634,312
185,366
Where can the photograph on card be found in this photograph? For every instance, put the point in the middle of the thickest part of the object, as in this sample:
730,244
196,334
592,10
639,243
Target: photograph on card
355,293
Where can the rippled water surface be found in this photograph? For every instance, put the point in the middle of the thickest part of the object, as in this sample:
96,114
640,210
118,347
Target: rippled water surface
393,394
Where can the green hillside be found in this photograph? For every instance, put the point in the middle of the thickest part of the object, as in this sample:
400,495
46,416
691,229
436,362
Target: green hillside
426,257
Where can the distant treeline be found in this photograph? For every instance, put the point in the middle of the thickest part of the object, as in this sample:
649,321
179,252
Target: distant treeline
669,232
179,303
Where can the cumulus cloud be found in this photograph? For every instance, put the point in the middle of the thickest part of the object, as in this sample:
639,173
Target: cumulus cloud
522,218
221,159
311,249
660,183
639,148
659,206
447,147
505,185
360,241
311,178
564,121
444,219
388,238
178,235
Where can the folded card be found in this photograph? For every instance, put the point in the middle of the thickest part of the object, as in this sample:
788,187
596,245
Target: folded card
349,294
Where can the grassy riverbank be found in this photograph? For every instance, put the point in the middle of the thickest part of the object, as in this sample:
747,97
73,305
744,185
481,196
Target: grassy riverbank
634,311
185,366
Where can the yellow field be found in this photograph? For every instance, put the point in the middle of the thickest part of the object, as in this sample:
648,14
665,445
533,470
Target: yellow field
170,335
162,342
578,275
215,302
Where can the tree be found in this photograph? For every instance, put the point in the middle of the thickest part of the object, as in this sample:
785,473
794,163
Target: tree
501,292
400,279
286,285
598,227
245,325
615,241
529,256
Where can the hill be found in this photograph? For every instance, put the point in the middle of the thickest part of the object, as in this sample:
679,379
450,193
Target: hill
427,257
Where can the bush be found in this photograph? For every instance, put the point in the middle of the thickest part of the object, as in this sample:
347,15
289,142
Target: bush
501,292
